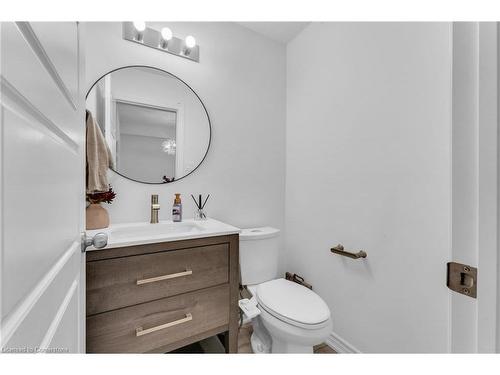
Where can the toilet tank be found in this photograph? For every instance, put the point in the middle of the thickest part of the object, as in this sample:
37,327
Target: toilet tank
259,253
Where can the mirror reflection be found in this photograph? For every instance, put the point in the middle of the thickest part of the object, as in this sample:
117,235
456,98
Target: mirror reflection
156,127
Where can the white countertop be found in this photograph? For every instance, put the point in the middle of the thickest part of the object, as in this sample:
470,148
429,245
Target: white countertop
129,234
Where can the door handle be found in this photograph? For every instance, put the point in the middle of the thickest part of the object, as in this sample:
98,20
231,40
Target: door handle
99,241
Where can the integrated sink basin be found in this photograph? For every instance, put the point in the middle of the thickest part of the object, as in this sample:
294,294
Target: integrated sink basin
128,234
160,229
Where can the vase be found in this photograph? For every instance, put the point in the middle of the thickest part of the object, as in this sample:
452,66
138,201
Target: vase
97,217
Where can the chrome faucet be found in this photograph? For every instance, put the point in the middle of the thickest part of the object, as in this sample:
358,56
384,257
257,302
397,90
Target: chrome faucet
154,209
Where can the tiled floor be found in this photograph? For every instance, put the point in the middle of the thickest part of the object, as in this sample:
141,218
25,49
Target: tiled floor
244,342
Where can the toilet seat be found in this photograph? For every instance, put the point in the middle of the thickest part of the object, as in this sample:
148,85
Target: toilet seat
293,303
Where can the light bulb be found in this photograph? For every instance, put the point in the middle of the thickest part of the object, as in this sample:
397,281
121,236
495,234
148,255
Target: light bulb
168,146
166,34
140,26
190,41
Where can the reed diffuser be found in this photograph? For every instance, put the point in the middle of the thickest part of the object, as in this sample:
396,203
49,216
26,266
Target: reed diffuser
200,213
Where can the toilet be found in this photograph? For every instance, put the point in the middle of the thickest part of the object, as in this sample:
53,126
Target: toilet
293,318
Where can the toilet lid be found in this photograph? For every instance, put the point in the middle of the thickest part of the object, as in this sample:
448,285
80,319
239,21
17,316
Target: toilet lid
292,301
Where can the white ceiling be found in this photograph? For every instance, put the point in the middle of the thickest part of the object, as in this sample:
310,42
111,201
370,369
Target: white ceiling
281,32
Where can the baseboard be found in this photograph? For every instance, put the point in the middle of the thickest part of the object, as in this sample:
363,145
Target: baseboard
340,345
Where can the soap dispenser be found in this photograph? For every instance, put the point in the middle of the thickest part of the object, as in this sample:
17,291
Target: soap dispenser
177,209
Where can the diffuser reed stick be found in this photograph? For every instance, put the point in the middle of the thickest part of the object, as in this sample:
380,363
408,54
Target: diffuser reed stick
196,203
204,203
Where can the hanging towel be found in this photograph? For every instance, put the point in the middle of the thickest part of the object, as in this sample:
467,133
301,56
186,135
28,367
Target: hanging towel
99,157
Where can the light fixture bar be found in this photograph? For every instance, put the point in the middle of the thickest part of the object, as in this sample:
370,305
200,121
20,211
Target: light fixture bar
152,38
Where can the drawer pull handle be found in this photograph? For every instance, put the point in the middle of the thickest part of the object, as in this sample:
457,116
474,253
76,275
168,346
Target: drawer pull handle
164,277
141,332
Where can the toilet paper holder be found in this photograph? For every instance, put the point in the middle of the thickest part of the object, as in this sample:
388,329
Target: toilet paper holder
297,279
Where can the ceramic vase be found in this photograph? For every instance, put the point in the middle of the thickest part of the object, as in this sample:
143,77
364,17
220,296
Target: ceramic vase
97,216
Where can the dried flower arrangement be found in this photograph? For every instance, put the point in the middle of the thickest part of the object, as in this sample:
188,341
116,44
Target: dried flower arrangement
100,197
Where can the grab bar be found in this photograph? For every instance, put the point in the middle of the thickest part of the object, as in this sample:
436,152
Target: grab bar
339,249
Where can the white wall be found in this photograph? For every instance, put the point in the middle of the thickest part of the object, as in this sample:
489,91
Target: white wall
241,80
368,165
142,158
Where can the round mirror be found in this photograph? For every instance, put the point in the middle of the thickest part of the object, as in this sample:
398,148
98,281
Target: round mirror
156,127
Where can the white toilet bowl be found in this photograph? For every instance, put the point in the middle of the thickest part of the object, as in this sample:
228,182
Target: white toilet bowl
293,318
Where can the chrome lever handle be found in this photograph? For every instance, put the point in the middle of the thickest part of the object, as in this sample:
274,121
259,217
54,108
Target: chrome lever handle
99,241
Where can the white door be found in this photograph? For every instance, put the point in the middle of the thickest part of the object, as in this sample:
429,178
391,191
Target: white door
475,186
42,187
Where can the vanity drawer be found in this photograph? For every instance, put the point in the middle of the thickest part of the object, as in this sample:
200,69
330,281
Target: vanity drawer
153,325
120,282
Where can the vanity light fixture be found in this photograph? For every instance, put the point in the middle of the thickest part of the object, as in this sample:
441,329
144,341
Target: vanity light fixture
139,27
161,40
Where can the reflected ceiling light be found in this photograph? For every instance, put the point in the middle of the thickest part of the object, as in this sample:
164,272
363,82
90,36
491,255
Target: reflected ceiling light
139,26
166,35
189,43
168,146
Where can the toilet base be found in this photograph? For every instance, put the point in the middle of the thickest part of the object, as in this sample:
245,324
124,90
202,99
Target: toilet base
258,346
273,336
260,340
262,343
286,338
279,346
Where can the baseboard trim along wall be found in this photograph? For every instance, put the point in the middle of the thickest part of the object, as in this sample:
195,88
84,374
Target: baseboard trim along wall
340,345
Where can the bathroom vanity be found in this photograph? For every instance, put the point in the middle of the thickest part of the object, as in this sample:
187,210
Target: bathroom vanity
157,287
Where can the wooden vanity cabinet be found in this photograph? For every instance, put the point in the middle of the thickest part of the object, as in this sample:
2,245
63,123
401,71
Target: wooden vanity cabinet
158,297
